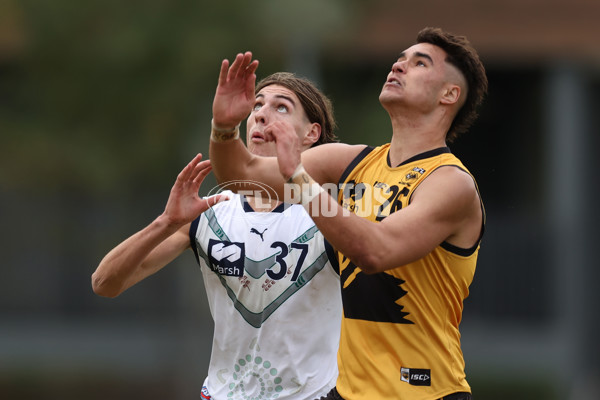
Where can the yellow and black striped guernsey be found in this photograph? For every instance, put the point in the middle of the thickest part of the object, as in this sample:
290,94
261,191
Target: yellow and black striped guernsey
400,336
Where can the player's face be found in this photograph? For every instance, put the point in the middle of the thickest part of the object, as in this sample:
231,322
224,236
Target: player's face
273,103
416,79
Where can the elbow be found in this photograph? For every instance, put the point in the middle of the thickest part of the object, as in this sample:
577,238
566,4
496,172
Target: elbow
369,261
368,265
102,287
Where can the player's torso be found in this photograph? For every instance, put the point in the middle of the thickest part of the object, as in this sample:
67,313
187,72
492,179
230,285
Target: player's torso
273,293
399,315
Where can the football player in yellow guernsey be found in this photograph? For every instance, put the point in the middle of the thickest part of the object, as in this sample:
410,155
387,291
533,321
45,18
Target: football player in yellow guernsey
406,221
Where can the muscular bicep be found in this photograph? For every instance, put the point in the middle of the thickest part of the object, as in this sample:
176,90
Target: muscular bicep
445,207
327,162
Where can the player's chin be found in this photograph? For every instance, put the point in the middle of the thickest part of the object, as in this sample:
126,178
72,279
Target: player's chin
387,97
262,148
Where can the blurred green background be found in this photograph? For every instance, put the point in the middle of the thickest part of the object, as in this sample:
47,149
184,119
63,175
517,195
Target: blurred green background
103,102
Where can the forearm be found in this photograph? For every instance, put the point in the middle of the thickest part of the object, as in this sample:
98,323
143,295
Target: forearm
134,259
345,231
232,104
240,171
230,160
375,247
371,246
353,236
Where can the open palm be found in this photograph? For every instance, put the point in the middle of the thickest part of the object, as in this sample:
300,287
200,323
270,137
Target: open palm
234,97
184,203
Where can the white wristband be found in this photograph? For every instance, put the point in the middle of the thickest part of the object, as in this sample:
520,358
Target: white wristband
223,135
309,189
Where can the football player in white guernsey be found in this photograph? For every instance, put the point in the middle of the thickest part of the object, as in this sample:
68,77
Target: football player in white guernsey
273,293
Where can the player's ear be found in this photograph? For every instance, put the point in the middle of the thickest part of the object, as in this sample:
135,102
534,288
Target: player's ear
313,135
451,95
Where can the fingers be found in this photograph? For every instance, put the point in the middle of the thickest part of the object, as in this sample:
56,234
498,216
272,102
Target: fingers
201,170
269,136
246,62
272,131
288,146
223,72
235,67
242,67
251,69
278,129
189,168
251,79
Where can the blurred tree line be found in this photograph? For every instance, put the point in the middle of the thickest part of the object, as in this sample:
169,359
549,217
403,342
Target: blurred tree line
101,105
101,95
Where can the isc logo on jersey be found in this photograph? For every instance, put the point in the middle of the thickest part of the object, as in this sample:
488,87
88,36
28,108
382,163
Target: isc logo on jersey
416,377
226,258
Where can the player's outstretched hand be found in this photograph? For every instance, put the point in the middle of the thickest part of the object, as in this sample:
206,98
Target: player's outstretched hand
184,203
234,97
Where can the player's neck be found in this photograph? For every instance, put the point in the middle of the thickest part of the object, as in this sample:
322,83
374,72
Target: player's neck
412,136
406,146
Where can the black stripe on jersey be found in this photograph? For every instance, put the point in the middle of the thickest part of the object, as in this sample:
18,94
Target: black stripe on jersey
192,233
459,250
332,256
245,204
462,251
421,156
281,207
450,247
355,162
373,297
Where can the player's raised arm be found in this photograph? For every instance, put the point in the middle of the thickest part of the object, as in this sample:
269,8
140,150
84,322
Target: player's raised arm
235,99
233,102
150,249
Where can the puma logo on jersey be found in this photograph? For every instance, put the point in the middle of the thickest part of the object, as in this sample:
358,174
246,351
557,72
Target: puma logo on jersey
226,258
253,230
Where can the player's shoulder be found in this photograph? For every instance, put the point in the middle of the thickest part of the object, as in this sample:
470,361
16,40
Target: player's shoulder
327,162
337,151
457,185
454,173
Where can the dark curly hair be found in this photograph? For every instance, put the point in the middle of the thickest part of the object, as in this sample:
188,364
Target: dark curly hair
464,57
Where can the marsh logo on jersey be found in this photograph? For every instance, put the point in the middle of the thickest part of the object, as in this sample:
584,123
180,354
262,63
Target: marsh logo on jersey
226,258
416,377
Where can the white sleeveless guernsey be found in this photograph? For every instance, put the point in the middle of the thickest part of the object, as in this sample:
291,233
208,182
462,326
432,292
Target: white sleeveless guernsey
275,300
